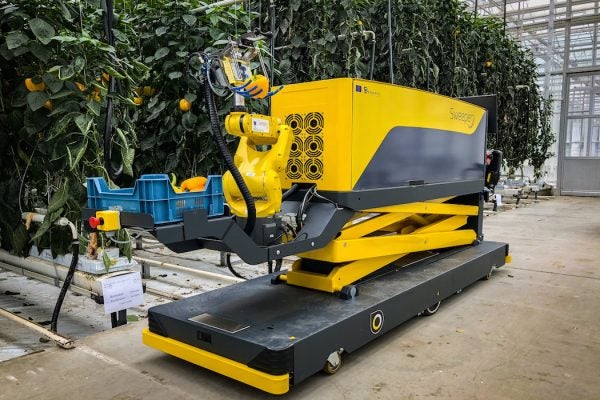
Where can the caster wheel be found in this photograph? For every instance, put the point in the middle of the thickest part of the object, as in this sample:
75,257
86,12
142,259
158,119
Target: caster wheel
432,310
349,292
489,274
333,363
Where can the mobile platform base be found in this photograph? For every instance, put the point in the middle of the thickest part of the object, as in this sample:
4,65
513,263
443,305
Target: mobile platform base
274,335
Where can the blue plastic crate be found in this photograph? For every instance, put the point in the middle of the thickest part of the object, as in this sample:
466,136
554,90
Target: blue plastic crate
154,195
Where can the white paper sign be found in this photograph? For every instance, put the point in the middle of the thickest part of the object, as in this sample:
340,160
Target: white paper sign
122,292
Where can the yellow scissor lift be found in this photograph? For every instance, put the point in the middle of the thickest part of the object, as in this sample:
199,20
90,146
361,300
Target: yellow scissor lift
380,236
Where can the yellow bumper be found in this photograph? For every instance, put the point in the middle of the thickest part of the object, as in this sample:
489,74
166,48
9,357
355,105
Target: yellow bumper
274,384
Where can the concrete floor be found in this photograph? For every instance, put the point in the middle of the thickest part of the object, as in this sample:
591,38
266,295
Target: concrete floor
531,332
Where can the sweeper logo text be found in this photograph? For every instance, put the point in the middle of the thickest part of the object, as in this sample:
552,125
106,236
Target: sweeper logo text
467,118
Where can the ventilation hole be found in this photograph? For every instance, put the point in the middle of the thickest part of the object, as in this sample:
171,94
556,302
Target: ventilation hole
314,123
295,122
294,169
296,149
313,146
313,168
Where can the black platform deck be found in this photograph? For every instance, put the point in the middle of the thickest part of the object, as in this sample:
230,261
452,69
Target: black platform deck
278,328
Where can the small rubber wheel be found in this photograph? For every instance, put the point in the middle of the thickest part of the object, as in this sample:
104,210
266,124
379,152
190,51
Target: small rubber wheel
329,367
349,292
432,309
489,274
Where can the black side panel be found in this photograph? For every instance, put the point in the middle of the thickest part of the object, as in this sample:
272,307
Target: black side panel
420,156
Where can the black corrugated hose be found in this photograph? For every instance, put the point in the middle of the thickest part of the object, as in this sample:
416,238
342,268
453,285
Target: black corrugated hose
218,136
107,139
65,286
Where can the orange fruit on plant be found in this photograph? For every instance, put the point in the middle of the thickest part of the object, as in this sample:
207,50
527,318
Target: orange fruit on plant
95,95
34,87
149,91
48,105
138,101
185,105
80,86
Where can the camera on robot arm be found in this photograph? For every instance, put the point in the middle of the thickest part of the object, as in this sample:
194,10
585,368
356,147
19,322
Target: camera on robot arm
239,68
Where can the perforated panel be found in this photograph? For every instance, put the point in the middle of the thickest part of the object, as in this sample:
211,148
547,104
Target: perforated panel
306,154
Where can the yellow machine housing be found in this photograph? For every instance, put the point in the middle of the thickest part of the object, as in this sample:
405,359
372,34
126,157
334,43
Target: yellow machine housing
341,127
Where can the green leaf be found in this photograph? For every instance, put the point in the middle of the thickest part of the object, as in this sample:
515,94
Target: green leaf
126,248
78,152
84,123
175,75
189,120
42,30
54,84
106,261
65,107
65,38
40,52
59,198
161,30
36,100
160,53
35,121
94,107
113,72
78,64
190,19
191,97
65,72
19,239
127,156
5,52
61,94
49,219
16,39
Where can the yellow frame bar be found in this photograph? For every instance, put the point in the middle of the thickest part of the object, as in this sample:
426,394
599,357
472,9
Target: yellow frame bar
274,384
339,276
428,208
378,246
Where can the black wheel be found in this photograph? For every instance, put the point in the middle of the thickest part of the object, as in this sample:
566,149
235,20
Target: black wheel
276,280
247,271
432,309
349,292
489,274
333,363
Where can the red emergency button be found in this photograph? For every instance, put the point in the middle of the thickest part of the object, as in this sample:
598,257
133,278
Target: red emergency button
94,222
